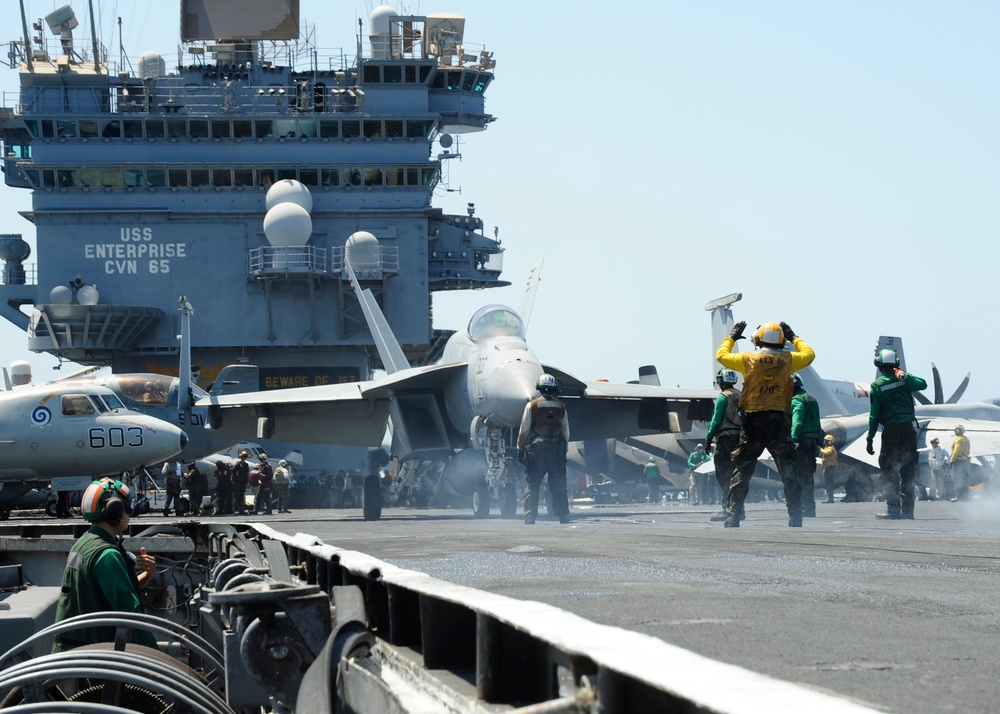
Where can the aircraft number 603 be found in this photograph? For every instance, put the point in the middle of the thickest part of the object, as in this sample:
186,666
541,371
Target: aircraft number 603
115,437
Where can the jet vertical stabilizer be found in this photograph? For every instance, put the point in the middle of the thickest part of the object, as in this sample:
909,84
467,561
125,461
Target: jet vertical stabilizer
184,387
722,325
389,349
528,299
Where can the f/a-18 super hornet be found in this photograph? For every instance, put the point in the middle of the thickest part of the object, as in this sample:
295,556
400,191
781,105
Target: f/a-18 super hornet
465,410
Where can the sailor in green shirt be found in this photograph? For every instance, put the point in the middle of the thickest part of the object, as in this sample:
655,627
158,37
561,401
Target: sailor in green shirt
892,408
806,433
100,575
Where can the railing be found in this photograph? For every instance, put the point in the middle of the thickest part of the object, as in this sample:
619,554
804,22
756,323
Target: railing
284,260
371,265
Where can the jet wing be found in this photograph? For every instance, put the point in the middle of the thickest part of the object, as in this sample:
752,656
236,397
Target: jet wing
984,438
413,380
330,414
604,410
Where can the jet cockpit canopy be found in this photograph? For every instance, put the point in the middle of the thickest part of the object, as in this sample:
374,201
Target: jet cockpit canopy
495,321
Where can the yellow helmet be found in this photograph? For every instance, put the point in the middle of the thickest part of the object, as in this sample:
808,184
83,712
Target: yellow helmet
828,438
769,334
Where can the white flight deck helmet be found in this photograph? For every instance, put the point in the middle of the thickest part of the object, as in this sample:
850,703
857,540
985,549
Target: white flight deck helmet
886,358
726,378
547,384
959,430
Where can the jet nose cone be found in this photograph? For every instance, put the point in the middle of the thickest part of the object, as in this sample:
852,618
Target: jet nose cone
184,441
513,386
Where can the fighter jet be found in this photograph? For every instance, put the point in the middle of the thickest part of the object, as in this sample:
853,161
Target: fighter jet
467,409
68,433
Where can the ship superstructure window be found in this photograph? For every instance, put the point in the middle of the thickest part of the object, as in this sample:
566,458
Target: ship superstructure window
307,128
222,178
285,128
111,178
176,128
264,129
350,129
392,74
132,128
66,129
156,178
221,129
242,128
199,178
329,129
198,129
178,178
373,129
133,178
243,177
88,129
155,129
111,129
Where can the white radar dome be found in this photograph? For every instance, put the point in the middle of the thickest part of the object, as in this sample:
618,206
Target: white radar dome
288,191
380,22
20,372
362,250
152,65
61,295
287,224
88,295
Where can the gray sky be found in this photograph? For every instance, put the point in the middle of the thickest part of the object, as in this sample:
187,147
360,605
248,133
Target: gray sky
836,162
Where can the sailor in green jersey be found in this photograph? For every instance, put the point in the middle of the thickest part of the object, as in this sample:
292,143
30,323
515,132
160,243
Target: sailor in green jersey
892,408
806,433
100,575
724,430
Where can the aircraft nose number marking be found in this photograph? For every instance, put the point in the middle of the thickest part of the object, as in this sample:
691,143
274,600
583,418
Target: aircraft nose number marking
40,416
116,437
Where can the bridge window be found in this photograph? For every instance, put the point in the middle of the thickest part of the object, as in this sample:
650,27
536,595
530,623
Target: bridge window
285,173
111,129
329,129
329,177
66,178
242,128
88,129
285,128
176,128
199,178
307,128
371,74
156,178
89,178
482,82
178,178
243,177
222,178
264,129
373,129
265,177
221,129
155,129
394,127
111,178
351,129
198,128
392,74
468,81
133,178
66,129
48,129
133,128
418,128
310,177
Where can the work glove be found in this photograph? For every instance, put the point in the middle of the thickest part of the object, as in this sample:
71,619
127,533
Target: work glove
789,332
737,331
870,448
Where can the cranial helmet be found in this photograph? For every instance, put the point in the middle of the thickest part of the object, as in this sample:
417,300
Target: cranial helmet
547,384
726,378
769,334
959,429
828,438
282,463
106,500
934,441
796,380
886,358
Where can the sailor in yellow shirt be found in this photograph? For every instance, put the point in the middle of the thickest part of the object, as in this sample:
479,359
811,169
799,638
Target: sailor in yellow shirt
766,403
828,454
960,456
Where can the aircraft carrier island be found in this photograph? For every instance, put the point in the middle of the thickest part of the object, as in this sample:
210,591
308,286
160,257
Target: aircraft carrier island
242,174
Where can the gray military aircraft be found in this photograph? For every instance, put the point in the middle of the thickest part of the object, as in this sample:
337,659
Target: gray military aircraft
466,410
67,433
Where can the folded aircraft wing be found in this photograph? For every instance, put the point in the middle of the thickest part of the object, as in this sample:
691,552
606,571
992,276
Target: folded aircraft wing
330,414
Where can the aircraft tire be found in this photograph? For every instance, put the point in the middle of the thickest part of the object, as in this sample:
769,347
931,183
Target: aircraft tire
508,501
4,512
481,502
50,509
371,499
